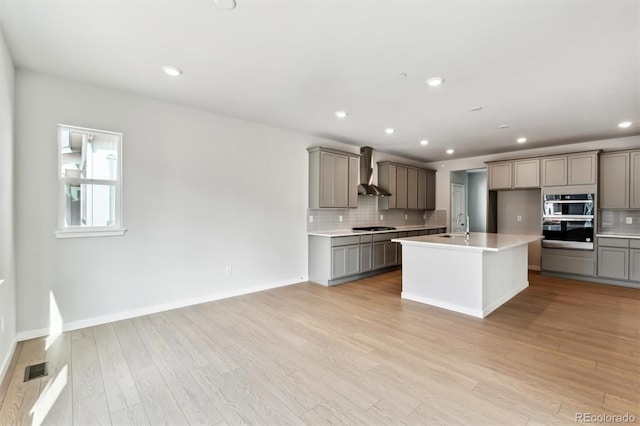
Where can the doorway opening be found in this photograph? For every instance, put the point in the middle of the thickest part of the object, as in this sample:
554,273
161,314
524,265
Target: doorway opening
469,195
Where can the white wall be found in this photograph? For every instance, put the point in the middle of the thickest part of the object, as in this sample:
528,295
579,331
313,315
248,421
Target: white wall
201,192
7,244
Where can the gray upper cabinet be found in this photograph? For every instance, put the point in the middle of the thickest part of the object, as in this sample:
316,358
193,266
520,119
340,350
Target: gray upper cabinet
500,175
422,190
354,181
620,180
554,171
559,170
411,188
526,173
614,180
634,180
572,169
515,174
431,190
401,188
582,169
333,178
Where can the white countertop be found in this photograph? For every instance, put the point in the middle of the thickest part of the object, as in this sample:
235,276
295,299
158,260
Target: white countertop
630,237
478,241
348,232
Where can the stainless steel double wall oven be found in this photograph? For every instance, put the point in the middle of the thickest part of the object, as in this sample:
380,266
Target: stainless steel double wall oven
568,221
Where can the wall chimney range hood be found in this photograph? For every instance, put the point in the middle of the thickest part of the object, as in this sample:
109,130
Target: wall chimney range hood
366,186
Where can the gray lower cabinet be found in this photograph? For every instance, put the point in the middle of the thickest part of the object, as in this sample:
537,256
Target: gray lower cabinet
334,260
613,263
378,255
366,257
573,262
634,264
390,253
345,260
619,258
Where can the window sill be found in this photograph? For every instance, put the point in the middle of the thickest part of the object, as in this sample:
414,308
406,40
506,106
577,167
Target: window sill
85,233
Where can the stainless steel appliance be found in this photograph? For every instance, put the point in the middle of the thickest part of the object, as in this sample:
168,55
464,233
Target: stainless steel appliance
568,221
373,228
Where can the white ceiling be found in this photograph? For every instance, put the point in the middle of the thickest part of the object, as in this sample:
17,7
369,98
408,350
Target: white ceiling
555,71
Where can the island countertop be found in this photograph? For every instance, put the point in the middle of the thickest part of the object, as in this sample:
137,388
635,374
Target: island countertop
477,241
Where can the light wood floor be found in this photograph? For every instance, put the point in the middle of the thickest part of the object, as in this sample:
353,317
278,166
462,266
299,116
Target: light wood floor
354,353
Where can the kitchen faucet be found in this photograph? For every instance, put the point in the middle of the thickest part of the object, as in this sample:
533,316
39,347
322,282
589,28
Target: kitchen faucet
466,232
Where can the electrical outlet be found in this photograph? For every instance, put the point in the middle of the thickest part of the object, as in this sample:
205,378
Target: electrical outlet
381,217
424,216
630,221
310,219
228,270
340,218
519,218
406,217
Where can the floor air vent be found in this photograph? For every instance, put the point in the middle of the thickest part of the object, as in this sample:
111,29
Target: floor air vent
35,371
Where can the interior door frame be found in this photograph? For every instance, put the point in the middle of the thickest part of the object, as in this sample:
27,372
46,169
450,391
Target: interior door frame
452,219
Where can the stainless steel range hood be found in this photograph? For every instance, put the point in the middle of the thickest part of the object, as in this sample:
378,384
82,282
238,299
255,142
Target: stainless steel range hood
366,186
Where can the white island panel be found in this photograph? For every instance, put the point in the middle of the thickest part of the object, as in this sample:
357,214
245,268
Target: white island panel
427,278
473,276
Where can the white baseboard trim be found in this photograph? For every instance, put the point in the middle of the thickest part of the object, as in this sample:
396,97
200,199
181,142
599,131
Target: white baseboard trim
504,299
440,304
534,268
104,319
7,360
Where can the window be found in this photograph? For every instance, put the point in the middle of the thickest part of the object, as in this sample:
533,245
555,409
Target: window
90,182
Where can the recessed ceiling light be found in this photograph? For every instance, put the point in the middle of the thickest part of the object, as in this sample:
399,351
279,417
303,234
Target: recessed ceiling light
341,114
503,126
402,75
389,130
424,142
625,124
172,71
450,151
435,81
225,4
521,140
476,108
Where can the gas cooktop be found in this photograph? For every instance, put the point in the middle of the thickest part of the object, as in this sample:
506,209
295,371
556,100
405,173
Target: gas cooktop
373,228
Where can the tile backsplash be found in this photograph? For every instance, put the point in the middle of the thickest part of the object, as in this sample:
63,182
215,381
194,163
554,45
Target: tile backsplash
615,222
367,214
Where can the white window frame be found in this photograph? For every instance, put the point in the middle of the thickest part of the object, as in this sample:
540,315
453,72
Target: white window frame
117,228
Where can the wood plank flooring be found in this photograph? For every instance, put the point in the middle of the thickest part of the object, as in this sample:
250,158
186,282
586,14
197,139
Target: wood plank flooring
354,354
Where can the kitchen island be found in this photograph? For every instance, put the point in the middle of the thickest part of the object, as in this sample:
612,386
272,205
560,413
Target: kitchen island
473,275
